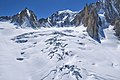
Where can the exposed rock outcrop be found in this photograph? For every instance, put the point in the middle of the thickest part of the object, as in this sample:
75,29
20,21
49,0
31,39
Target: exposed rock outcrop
112,14
44,22
93,23
59,19
117,28
5,18
90,19
111,9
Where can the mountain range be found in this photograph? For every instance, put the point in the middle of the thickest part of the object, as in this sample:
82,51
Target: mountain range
94,16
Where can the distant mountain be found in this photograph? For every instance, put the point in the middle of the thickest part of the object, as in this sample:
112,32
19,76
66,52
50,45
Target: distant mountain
59,19
5,18
25,18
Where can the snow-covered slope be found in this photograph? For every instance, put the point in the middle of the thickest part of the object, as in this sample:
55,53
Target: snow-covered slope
57,54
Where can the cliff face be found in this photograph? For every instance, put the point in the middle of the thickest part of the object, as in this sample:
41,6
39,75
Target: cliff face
117,28
93,23
112,14
111,9
90,19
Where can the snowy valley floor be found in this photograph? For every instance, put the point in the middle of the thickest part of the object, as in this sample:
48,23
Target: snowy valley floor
57,54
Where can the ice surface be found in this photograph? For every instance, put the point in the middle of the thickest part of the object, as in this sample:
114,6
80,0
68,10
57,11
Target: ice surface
57,54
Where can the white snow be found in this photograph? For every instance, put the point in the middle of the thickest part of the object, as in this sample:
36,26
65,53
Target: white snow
65,18
67,11
95,61
28,13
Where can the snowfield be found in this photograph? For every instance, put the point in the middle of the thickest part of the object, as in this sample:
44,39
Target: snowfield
57,54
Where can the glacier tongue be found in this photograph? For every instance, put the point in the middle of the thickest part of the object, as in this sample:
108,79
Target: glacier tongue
57,54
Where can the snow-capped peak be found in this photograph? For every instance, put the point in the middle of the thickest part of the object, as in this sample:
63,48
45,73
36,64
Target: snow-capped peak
27,11
25,18
66,11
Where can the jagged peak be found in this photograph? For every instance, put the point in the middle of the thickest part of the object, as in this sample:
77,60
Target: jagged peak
26,11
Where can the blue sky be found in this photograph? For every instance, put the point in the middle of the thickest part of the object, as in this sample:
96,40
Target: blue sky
42,8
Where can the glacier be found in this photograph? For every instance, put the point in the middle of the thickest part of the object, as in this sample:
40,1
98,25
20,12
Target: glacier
65,53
